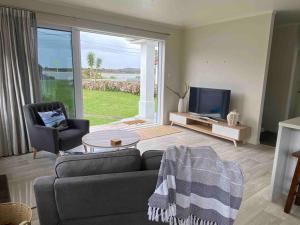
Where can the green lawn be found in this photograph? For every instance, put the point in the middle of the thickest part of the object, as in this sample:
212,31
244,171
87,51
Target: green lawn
101,107
59,90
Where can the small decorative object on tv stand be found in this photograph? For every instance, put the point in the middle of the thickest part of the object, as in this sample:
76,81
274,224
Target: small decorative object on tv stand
233,118
220,129
181,105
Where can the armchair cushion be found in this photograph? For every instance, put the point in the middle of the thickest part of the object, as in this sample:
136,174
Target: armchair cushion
98,163
68,137
79,124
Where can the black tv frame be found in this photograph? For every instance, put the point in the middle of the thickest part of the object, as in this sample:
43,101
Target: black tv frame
225,105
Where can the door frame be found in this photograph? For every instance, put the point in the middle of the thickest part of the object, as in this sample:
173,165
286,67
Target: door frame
160,82
76,56
161,68
77,72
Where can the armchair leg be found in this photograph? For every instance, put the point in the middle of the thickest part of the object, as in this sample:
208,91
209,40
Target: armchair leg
34,153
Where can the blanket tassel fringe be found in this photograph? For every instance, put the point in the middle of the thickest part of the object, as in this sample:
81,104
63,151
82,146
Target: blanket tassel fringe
169,215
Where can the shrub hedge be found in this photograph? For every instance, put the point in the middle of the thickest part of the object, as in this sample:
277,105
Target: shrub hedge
112,85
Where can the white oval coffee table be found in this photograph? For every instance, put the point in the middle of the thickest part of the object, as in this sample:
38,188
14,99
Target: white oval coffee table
102,139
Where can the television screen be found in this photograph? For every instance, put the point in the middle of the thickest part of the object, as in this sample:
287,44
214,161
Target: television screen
209,102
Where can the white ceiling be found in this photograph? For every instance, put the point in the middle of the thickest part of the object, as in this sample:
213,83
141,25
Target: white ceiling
189,13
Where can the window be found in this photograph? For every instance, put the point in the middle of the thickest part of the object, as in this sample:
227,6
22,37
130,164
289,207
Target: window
56,67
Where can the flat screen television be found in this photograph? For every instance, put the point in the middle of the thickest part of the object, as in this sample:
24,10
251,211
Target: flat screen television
213,103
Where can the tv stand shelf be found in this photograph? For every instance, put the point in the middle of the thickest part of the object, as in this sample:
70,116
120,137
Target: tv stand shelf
218,128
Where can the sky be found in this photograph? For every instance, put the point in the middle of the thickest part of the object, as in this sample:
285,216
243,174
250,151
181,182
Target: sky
115,52
54,50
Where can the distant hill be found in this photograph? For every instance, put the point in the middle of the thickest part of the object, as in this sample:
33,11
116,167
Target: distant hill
124,70
103,70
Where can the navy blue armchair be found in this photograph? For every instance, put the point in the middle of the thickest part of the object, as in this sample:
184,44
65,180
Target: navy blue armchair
48,138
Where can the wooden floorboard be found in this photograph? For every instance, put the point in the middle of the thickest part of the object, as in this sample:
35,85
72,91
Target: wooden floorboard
256,161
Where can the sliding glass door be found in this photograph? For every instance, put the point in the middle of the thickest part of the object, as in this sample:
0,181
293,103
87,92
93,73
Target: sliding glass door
56,70
116,77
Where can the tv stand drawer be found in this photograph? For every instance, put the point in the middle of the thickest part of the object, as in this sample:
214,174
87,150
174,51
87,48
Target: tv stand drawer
226,131
178,118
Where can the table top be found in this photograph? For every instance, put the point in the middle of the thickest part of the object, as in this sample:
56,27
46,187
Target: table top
293,123
101,139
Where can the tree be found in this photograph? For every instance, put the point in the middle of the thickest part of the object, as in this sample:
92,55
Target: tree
56,64
98,65
91,62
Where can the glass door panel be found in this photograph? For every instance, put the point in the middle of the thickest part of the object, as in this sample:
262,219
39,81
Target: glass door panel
56,70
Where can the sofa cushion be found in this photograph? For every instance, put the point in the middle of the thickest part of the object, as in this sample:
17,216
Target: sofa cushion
136,218
98,163
104,195
151,159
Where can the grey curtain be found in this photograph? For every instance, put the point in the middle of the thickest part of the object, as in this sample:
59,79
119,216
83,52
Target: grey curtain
18,77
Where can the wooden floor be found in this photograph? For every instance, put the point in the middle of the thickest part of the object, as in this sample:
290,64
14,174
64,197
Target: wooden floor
256,162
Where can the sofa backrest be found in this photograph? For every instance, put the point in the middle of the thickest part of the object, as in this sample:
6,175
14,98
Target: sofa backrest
98,163
91,199
151,159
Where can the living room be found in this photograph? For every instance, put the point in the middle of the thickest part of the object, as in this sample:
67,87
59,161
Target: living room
205,50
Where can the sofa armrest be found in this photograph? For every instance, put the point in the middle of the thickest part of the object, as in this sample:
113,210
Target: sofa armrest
104,195
79,124
45,200
44,138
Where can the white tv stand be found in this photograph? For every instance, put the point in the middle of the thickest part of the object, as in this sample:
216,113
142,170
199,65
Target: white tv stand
211,127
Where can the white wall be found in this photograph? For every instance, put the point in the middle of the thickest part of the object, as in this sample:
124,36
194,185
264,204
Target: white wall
63,15
281,70
232,55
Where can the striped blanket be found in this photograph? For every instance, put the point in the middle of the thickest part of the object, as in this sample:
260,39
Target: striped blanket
195,187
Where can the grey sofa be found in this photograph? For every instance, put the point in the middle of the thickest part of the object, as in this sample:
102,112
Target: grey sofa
99,189
51,139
